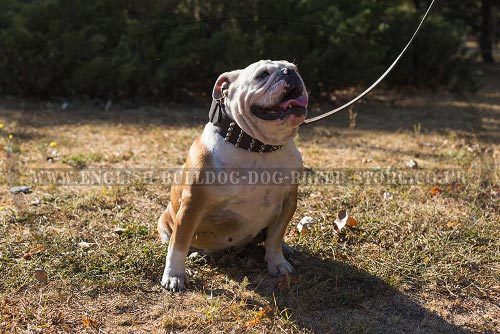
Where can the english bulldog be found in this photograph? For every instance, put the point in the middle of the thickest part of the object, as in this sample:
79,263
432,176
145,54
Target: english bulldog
255,115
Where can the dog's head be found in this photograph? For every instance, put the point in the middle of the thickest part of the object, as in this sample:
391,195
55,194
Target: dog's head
268,100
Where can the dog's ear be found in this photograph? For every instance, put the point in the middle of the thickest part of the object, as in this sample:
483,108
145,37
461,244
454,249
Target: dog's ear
292,65
222,84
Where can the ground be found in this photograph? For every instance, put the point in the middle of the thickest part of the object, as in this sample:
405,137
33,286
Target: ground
423,258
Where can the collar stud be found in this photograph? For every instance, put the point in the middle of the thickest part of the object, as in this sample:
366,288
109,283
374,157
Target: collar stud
225,126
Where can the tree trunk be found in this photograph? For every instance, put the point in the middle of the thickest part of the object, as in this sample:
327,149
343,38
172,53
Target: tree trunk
486,37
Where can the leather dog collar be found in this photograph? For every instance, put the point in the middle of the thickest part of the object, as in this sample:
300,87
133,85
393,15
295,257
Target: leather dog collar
227,128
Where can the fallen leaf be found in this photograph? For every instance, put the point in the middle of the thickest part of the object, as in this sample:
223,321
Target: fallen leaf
412,163
127,156
305,224
387,195
258,317
351,222
33,251
84,244
287,281
194,255
341,219
452,224
120,230
473,148
455,187
41,276
88,322
340,256
426,260
435,190
37,249
20,189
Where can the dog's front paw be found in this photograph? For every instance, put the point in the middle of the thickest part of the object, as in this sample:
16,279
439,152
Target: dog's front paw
173,282
280,267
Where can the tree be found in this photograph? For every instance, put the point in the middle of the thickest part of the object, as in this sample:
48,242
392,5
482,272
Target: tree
486,35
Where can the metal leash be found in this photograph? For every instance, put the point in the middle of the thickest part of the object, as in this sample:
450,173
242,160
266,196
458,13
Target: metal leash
382,77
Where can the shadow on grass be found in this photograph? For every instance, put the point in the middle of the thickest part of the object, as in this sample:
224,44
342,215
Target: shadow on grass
465,118
467,121
333,297
40,114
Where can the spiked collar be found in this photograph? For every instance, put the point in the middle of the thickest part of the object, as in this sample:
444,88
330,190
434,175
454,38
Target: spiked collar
232,133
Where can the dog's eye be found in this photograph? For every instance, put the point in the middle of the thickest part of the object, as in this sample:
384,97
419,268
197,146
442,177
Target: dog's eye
263,74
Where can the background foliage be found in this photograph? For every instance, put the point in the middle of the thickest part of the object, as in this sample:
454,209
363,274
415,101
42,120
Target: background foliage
124,49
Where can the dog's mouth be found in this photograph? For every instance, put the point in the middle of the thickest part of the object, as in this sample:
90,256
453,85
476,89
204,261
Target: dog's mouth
293,102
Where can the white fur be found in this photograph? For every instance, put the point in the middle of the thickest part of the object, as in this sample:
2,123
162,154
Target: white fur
276,263
174,276
245,91
250,201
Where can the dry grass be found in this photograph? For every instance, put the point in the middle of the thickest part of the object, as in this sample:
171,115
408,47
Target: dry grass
416,262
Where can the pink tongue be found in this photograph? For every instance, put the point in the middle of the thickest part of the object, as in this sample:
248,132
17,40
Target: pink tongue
301,101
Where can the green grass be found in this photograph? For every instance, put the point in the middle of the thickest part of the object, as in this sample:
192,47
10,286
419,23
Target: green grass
81,161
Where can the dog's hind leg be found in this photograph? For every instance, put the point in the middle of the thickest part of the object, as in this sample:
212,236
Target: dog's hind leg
164,224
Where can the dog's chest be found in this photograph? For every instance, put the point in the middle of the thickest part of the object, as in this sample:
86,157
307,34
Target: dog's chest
238,216
240,210
248,207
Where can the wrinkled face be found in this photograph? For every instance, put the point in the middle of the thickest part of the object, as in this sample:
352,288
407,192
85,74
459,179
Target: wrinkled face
268,100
